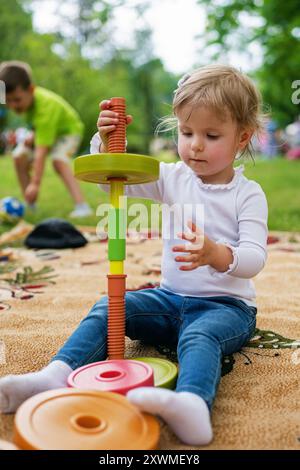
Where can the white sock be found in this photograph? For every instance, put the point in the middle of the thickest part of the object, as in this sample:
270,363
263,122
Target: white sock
14,389
186,413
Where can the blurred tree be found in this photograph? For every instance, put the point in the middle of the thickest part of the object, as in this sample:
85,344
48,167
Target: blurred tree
93,27
148,77
145,64
89,24
81,62
274,26
14,24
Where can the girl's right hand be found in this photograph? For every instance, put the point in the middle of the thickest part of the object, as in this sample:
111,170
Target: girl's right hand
107,122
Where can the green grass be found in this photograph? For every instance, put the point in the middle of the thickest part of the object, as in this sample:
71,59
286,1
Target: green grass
279,179
54,199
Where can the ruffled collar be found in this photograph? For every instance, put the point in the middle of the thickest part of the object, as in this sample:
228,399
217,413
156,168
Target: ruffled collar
238,171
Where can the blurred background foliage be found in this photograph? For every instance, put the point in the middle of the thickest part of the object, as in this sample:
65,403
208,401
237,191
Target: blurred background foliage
61,62
273,26
81,62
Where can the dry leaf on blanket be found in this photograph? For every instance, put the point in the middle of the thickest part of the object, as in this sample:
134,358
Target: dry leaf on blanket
21,230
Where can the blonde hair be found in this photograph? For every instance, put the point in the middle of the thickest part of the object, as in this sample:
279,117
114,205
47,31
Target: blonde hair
225,90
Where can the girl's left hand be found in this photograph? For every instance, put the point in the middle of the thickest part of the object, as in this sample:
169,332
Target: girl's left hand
200,251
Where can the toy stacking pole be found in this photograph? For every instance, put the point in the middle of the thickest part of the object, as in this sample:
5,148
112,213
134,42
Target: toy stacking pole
116,168
116,243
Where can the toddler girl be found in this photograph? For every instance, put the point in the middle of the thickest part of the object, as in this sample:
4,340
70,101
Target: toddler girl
205,305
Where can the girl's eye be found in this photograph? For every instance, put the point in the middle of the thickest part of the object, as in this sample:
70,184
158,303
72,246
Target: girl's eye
187,134
213,137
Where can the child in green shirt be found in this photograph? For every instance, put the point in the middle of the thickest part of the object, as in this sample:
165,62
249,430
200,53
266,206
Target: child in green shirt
57,133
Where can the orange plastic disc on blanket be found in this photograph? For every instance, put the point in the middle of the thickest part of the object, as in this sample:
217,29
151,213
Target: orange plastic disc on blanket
66,419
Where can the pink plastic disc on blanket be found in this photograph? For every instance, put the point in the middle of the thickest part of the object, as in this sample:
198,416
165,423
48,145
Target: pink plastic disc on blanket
117,376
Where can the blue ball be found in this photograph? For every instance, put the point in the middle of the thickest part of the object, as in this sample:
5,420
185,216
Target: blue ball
11,208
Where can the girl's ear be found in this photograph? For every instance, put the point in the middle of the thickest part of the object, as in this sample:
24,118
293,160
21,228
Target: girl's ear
245,137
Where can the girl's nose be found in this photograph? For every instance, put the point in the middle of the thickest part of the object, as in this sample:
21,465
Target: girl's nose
197,145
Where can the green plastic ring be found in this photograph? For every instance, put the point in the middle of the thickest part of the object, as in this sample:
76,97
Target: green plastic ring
165,372
99,168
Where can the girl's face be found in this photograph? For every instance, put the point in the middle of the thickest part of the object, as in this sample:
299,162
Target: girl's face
207,144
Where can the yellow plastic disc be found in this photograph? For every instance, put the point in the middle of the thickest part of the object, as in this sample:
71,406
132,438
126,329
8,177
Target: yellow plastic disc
99,168
65,419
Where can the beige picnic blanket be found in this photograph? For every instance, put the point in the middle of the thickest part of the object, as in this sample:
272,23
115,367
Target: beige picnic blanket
258,402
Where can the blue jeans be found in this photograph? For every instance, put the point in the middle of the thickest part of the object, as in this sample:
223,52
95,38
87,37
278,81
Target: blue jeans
202,328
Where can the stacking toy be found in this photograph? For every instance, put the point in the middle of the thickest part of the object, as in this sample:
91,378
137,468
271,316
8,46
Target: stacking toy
165,372
69,419
115,168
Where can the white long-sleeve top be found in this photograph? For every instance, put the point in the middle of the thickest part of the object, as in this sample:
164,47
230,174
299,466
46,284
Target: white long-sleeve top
234,214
